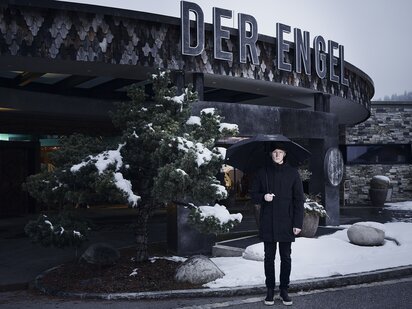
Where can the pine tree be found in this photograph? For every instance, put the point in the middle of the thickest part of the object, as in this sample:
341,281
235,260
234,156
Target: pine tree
164,166
59,188
163,155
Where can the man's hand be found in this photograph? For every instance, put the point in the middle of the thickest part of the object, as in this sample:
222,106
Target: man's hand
269,197
296,231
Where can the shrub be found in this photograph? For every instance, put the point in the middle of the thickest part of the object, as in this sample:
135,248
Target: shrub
63,230
213,219
313,207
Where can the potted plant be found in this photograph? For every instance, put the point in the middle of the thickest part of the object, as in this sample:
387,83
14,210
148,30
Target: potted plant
312,207
193,229
313,211
378,191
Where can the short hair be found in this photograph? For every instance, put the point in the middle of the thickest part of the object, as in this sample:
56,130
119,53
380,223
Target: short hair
280,146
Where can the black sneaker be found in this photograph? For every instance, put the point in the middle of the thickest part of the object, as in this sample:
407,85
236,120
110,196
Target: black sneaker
285,298
269,297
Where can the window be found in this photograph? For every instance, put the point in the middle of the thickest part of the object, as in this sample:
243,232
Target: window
377,154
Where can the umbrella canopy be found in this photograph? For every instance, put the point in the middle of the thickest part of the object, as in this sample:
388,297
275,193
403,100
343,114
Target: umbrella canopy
252,153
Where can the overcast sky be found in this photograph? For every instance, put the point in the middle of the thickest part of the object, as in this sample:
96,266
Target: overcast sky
376,33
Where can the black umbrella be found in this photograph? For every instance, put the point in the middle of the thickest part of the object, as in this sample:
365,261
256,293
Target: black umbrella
252,153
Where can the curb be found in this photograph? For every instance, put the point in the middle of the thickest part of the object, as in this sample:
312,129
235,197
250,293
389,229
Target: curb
14,287
295,286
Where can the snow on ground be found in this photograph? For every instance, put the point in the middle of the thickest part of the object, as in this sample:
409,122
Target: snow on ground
325,256
399,206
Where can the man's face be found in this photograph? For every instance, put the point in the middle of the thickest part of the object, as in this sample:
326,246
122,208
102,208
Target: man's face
278,155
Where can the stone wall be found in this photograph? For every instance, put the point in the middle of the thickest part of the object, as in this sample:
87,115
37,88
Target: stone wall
389,123
359,177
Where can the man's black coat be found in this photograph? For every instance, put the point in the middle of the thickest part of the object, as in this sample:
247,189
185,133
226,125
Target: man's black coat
279,217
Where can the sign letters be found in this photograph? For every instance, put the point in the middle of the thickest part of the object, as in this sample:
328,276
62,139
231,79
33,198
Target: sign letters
326,64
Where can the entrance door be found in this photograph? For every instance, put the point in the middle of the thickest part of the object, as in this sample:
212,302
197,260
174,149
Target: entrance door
17,161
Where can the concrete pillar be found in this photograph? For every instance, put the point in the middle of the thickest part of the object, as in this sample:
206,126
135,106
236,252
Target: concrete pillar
331,198
319,182
321,102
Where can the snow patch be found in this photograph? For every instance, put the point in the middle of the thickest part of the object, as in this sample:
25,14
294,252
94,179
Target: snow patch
177,99
202,153
111,157
50,224
181,171
126,186
194,120
220,190
209,110
169,258
133,273
399,206
381,177
228,126
102,160
220,212
221,151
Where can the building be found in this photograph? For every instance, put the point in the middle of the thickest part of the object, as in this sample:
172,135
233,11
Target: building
380,145
62,65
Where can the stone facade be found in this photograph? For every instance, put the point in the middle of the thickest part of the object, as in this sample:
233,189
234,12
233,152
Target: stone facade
359,177
389,123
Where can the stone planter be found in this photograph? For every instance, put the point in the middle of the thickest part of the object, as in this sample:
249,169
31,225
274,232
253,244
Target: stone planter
310,225
182,238
378,196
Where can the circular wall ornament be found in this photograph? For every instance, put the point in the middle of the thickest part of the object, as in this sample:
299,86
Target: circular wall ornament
333,166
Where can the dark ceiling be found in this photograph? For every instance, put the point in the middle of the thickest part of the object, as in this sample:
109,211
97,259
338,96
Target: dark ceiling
42,91
101,87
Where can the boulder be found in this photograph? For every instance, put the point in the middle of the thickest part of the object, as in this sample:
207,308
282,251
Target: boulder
198,269
101,254
367,234
254,252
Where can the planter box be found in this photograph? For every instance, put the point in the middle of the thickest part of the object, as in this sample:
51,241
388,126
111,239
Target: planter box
182,238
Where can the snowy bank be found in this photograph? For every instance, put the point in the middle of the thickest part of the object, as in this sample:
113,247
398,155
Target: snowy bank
399,206
325,256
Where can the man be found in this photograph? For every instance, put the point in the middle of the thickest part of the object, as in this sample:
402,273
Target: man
278,189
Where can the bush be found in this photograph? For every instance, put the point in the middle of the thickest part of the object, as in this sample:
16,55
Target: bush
64,230
313,207
213,219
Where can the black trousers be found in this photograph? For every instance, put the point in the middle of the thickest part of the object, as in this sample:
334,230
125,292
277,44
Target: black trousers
285,249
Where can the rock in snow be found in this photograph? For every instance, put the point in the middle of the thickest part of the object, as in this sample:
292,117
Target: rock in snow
366,234
198,269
